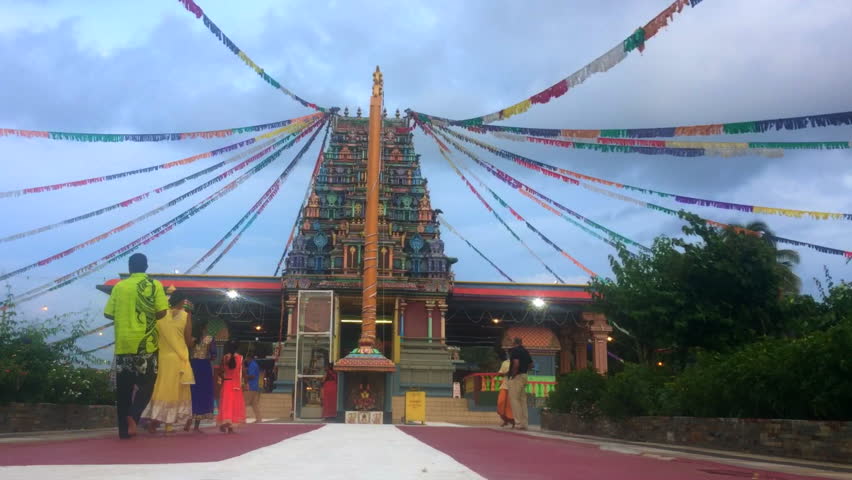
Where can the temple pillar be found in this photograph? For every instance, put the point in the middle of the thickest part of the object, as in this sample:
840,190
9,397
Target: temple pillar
291,321
396,329
430,305
581,356
600,330
442,307
565,352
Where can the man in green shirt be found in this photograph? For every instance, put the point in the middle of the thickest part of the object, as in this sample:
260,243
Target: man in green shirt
135,305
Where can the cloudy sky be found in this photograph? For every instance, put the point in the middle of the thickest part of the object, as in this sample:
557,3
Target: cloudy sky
137,67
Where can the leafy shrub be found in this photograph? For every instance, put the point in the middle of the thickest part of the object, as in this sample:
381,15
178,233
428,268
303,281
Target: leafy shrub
802,378
578,393
636,391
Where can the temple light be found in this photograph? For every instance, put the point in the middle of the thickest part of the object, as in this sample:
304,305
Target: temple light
538,303
257,327
44,308
495,321
609,339
177,272
232,294
659,364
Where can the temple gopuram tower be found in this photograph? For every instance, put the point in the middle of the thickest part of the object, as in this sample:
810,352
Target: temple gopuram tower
323,280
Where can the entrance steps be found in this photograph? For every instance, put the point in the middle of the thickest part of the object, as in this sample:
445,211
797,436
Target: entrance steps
274,405
448,410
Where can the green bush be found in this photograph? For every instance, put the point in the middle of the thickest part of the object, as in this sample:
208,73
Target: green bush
802,378
636,391
578,393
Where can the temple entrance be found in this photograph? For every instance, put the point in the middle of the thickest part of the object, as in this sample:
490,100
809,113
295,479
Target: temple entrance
313,348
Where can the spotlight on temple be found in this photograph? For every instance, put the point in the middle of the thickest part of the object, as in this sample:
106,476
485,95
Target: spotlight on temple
538,303
177,272
609,339
258,327
659,364
495,321
232,294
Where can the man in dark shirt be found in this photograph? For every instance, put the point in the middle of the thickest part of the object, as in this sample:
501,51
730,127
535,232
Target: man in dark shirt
520,364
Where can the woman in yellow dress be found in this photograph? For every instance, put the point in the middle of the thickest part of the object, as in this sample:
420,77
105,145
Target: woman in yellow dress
171,402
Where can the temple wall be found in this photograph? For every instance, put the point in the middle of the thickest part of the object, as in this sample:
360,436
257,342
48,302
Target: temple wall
416,318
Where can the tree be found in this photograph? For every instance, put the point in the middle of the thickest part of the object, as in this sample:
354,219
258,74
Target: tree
712,294
787,259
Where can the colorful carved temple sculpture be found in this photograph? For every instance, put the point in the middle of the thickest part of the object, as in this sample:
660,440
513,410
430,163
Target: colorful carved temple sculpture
413,270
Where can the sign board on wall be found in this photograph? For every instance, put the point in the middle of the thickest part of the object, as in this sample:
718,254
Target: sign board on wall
415,407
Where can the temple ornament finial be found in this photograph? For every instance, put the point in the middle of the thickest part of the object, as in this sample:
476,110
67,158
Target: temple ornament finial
378,83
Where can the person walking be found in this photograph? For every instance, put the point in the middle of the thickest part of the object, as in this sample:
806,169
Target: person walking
202,352
253,392
171,402
504,407
520,361
232,407
135,304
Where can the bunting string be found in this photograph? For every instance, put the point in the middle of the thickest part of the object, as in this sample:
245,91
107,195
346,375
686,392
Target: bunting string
171,203
249,217
635,41
102,347
541,167
130,201
522,219
193,8
753,126
150,236
152,137
500,219
311,183
273,190
184,161
651,206
613,238
449,227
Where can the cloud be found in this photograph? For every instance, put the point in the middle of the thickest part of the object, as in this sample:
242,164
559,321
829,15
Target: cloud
145,67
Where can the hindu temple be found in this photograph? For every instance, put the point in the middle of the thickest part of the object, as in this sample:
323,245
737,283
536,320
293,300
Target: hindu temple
369,288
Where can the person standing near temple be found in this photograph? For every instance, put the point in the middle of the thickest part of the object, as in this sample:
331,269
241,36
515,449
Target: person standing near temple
329,393
253,392
504,406
171,402
202,352
135,304
520,361
232,407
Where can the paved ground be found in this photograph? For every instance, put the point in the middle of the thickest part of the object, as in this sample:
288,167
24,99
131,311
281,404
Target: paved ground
374,452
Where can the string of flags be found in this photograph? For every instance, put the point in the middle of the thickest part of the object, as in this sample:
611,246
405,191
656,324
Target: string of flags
449,227
500,219
541,166
184,161
612,238
152,137
821,120
635,41
787,212
550,173
522,219
144,240
133,200
193,8
311,183
249,217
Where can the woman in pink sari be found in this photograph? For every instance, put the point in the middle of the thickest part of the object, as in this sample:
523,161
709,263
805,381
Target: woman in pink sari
232,407
329,393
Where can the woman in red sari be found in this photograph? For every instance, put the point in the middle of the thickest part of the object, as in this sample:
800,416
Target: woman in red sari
232,407
329,393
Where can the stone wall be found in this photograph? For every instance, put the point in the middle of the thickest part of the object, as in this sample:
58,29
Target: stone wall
804,439
38,417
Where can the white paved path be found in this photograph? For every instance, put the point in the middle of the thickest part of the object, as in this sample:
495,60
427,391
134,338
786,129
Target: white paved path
351,452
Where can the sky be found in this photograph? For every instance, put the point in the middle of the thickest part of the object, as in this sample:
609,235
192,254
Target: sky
148,67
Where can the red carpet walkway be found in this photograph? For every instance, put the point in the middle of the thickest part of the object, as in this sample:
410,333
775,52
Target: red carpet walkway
148,449
500,455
